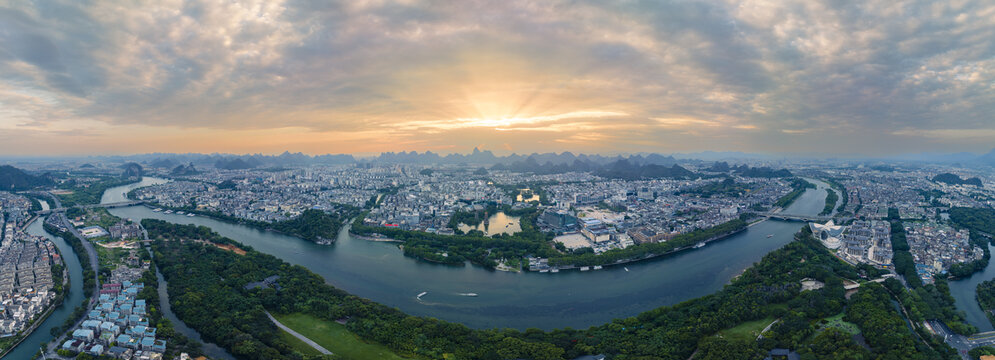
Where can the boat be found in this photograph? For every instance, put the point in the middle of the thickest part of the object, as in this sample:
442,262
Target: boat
468,294
626,269
156,210
190,215
180,213
544,270
699,245
586,268
168,212
597,267
420,295
770,236
555,271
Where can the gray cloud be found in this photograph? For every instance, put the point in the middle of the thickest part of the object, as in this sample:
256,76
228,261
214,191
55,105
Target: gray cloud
869,74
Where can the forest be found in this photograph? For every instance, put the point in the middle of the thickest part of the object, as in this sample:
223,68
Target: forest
831,199
986,298
315,225
727,187
980,222
977,219
206,285
84,194
318,226
902,259
798,186
954,179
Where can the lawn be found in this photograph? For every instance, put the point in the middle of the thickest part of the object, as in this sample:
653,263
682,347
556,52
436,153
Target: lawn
746,331
334,337
837,322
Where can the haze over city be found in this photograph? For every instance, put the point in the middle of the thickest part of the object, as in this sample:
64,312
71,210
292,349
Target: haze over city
818,77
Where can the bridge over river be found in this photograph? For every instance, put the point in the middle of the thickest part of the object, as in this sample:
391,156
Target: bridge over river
108,205
800,217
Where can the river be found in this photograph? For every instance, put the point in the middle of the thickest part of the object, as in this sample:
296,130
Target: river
42,334
380,272
964,292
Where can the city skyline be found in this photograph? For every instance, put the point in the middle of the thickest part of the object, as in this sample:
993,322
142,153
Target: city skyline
868,79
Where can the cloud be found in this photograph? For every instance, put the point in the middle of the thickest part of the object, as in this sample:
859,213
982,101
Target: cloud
630,76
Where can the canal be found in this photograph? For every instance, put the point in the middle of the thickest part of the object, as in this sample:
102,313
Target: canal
42,335
379,271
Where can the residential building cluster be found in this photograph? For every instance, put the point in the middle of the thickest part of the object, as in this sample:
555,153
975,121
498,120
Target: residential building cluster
274,196
26,285
935,247
118,326
607,215
869,242
429,204
15,208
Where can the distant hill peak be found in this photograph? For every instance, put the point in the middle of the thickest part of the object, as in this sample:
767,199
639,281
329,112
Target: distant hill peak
14,179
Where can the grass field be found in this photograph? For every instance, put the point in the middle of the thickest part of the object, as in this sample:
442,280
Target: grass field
334,337
110,257
746,331
298,345
837,322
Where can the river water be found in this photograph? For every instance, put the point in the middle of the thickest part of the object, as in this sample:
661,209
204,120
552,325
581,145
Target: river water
42,335
379,271
964,293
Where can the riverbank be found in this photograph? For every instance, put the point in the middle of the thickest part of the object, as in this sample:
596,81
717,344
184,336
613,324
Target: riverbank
374,238
654,255
258,225
57,302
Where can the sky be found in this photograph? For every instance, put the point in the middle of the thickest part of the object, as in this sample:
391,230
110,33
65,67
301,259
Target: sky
867,77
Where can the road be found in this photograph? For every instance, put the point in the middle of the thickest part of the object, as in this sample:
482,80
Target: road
960,342
299,336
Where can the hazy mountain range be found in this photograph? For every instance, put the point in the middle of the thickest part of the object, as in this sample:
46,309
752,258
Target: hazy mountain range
191,162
